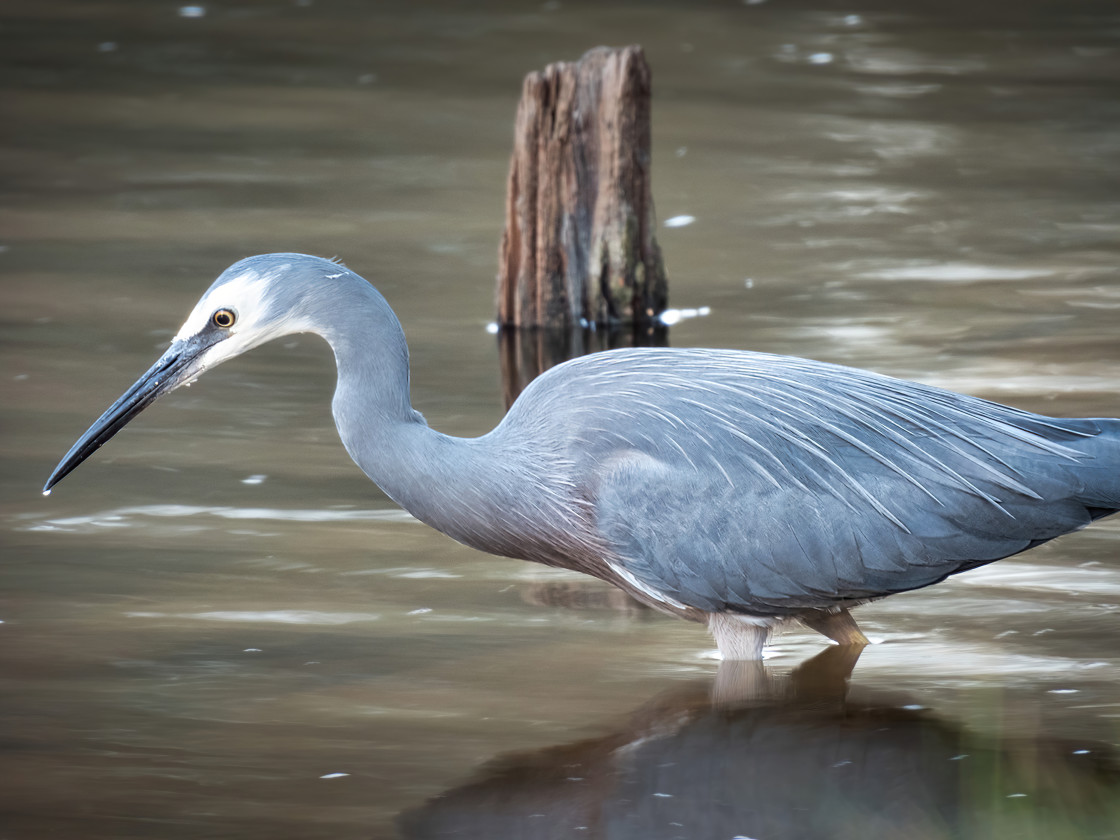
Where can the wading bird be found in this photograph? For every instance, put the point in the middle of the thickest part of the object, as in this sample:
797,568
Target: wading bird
739,489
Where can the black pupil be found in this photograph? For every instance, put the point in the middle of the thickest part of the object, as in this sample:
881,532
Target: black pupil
223,318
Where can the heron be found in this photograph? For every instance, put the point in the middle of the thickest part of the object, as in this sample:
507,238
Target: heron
739,489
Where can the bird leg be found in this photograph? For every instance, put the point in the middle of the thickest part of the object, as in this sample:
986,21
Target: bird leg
738,636
838,626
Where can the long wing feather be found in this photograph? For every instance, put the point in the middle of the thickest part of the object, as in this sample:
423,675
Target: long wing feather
768,484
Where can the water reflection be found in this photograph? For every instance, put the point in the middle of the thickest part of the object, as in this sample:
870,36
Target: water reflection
785,756
524,354
578,595
924,189
183,519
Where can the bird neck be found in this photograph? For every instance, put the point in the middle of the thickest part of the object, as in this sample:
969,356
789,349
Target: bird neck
371,402
471,489
424,471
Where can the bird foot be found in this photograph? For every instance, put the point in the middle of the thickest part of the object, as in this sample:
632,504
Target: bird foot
838,626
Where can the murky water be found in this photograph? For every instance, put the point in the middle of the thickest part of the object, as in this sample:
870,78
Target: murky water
219,628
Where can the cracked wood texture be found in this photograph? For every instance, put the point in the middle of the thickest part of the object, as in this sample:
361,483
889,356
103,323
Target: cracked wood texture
578,246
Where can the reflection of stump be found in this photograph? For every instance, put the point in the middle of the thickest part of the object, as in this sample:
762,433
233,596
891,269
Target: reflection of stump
526,354
578,246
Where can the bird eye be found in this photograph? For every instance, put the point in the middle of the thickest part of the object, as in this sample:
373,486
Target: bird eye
224,318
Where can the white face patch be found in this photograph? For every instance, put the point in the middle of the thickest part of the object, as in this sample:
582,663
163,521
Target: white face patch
246,295
242,294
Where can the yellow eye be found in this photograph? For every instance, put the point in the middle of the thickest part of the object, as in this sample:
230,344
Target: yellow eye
224,318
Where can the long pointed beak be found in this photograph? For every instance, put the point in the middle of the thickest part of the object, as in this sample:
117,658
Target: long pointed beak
174,368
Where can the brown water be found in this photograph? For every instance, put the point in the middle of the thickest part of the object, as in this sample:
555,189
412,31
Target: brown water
218,613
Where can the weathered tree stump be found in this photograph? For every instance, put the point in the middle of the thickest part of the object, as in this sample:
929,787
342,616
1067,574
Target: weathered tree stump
578,246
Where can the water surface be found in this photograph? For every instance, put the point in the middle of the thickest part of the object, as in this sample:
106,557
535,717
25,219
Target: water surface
219,628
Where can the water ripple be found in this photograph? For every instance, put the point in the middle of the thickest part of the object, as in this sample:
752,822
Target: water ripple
266,616
128,517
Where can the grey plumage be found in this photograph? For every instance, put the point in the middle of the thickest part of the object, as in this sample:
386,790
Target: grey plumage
800,484
704,482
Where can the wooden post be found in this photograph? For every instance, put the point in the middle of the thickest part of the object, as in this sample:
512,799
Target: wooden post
579,247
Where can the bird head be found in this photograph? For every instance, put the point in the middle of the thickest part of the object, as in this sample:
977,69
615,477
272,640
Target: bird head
253,301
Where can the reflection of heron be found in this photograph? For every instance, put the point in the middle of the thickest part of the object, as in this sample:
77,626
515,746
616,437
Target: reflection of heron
734,488
794,759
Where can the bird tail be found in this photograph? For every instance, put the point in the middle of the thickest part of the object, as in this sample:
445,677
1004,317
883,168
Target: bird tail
1100,471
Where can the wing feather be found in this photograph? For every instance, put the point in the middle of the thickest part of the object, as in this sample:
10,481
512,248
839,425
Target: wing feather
768,484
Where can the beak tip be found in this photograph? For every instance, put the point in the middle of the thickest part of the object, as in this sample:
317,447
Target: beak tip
60,472
51,482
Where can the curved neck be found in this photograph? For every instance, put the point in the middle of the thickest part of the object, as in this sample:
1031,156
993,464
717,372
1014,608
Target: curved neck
471,489
372,358
420,469
372,408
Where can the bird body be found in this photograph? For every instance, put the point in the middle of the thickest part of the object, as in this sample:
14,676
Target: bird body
741,489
